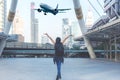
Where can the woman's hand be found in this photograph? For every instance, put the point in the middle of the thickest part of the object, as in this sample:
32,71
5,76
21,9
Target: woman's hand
46,34
49,38
70,35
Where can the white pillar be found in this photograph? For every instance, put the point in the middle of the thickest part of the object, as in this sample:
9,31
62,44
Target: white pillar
79,16
8,23
10,16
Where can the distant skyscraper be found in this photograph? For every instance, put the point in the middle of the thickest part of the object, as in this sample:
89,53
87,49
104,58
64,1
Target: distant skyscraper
76,29
18,27
36,31
65,27
34,25
3,9
89,19
66,30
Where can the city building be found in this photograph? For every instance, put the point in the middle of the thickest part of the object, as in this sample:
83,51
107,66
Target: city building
34,25
89,19
76,32
66,30
3,9
111,8
18,24
75,29
36,36
18,27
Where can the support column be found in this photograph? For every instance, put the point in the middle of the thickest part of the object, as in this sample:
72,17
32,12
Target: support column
105,50
115,42
110,43
10,16
79,16
107,53
8,23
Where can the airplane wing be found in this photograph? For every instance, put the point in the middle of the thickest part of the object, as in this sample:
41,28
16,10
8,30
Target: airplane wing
63,9
61,12
39,10
35,9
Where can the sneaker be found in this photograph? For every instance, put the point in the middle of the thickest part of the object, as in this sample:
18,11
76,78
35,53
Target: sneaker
57,78
60,77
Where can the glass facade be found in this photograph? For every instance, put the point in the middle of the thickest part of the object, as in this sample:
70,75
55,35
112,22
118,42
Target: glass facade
2,14
66,30
34,25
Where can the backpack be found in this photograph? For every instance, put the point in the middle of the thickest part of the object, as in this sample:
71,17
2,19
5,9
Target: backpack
59,50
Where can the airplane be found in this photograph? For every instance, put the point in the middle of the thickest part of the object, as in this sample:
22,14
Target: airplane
47,9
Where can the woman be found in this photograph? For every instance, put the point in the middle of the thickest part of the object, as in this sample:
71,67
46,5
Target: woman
59,53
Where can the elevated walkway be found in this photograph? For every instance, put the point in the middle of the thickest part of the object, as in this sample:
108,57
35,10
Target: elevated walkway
103,33
109,35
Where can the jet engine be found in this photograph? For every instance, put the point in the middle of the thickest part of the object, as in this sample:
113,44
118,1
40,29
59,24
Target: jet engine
55,11
39,10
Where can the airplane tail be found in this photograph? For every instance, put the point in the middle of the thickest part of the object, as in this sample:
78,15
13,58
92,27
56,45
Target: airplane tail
56,7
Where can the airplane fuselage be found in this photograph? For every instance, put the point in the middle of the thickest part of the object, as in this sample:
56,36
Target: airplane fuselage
45,8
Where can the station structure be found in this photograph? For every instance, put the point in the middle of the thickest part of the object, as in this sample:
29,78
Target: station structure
106,30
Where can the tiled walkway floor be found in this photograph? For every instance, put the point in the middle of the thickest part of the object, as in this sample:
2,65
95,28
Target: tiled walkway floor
44,69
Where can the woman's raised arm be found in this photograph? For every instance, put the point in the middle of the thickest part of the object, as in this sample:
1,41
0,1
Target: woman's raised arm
66,38
50,38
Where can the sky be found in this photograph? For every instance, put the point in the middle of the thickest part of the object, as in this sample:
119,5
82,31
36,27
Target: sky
52,24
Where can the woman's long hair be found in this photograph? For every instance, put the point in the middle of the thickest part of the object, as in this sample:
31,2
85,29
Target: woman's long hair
58,40
59,47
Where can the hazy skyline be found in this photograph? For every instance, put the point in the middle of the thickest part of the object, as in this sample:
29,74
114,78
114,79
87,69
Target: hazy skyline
52,24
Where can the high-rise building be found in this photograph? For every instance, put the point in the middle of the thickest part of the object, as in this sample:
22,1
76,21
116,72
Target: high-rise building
76,29
89,19
36,31
66,30
76,34
34,25
65,27
3,9
18,27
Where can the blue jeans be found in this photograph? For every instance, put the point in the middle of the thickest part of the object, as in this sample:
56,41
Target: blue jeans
58,61
59,68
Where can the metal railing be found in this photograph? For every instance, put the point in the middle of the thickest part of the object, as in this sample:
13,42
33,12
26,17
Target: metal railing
28,45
